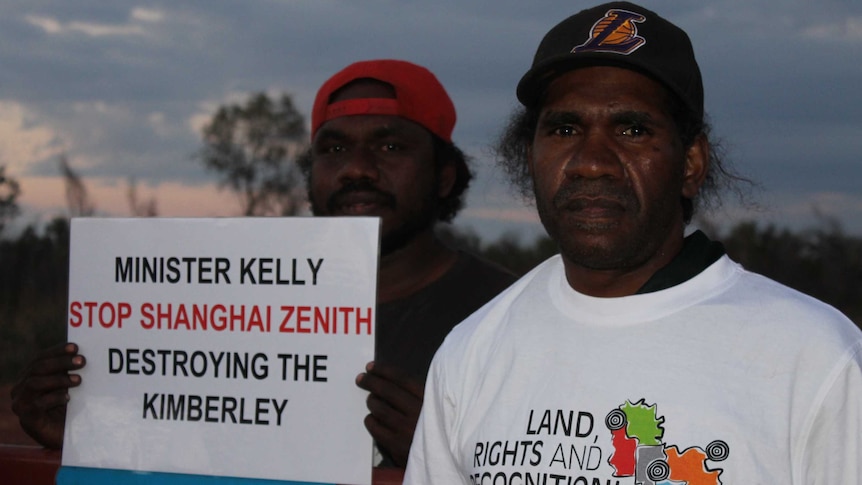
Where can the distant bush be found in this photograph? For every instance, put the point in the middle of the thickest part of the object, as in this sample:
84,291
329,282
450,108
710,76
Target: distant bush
33,294
824,263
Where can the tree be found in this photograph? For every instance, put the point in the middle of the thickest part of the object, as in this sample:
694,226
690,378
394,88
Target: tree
34,269
520,258
77,199
507,251
9,192
140,208
252,147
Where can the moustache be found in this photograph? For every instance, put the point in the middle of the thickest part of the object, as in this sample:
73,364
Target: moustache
581,194
368,190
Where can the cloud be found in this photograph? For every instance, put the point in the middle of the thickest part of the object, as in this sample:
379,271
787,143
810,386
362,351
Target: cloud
91,29
22,140
124,87
137,17
841,30
49,25
147,15
159,124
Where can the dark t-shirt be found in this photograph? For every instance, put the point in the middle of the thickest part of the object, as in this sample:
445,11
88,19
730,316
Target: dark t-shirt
410,330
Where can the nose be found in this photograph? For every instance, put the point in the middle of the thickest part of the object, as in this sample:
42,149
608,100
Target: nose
359,163
594,156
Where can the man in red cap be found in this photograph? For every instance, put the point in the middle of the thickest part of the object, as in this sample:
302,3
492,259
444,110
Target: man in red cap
381,146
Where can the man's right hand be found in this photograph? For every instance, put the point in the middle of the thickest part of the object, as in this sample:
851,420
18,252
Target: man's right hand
395,400
40,396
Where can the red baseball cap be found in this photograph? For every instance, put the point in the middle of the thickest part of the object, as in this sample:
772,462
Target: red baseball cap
419,96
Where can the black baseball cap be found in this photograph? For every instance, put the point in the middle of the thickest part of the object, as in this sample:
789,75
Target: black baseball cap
619,34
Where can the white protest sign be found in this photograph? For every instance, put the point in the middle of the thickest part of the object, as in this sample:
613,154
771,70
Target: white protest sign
224,347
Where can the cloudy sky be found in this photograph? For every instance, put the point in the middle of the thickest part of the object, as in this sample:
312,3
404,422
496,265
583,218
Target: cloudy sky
123,88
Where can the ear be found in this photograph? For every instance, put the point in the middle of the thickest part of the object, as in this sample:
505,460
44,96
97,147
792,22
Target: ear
446,180
696,166
530,160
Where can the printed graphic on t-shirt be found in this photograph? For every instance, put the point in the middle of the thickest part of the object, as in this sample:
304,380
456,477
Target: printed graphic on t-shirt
568,447
639,452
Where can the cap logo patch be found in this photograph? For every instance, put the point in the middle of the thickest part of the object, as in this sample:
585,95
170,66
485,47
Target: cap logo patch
615,32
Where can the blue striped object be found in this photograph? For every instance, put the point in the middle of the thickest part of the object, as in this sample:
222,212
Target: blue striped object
74,475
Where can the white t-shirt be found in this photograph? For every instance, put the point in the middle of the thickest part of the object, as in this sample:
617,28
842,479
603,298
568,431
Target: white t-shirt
727,378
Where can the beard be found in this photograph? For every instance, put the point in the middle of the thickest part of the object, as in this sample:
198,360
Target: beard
403,234
404,228
419,219
627,240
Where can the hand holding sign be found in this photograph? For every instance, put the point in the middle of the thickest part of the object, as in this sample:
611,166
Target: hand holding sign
39,398
394,401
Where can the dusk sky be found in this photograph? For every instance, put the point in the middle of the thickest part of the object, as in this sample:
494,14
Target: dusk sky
123,88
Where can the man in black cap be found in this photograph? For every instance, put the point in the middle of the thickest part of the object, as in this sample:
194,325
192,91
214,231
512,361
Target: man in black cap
638,355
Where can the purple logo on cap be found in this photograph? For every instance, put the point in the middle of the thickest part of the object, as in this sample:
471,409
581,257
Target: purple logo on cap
615,32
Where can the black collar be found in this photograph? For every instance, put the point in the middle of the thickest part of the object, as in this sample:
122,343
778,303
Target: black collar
697,253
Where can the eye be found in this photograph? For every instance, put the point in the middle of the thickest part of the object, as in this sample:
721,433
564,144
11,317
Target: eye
391,147
327,147
565,130
635,131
